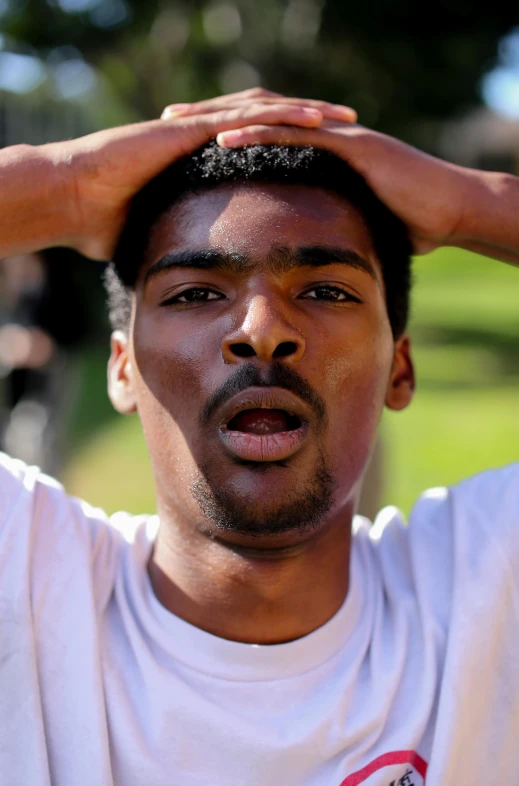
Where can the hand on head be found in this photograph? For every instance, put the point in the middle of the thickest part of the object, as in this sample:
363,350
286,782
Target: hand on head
411,183
86,185
109,167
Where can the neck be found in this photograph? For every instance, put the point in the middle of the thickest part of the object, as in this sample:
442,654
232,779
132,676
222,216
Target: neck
253,590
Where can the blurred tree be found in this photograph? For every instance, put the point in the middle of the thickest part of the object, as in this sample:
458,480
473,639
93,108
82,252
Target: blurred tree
405,68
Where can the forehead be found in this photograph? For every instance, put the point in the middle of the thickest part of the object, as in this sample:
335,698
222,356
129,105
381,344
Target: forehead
251,219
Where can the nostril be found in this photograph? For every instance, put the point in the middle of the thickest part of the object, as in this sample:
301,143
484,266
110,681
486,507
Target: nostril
242,350
284,349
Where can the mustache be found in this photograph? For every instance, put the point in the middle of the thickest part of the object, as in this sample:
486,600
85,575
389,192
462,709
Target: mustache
277,375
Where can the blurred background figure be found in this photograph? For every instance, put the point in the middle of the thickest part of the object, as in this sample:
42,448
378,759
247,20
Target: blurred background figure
449,85
41,318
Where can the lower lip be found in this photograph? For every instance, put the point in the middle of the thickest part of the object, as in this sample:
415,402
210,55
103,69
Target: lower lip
264,447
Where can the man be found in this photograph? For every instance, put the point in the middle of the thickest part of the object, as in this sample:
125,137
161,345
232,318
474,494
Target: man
243,636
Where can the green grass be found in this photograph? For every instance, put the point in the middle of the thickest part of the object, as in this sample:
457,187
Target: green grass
444,437
465,329
113,470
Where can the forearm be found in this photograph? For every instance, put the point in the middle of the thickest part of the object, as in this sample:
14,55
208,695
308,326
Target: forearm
490,220
35,196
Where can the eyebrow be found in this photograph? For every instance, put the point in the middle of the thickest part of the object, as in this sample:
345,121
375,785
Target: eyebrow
280,259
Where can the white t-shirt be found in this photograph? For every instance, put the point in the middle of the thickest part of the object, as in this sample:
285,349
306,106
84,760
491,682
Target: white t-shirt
415,680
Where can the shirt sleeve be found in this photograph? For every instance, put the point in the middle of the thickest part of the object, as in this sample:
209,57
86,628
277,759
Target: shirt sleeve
487,508
458,540
450,592
49,541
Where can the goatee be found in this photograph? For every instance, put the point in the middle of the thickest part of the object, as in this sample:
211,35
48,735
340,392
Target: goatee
300,510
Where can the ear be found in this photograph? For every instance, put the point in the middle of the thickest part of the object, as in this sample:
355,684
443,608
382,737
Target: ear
120,375
401,385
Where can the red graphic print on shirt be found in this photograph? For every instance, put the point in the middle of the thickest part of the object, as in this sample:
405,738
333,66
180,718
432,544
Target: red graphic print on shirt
402,768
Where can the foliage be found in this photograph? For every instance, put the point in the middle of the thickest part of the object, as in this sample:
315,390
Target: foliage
403,66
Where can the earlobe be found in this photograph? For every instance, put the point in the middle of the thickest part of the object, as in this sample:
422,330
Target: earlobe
401,385
120,375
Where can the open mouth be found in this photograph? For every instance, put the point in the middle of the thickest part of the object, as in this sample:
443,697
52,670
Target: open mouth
264,424
264,421
264,434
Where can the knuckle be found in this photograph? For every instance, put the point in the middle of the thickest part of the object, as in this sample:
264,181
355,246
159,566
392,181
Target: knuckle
216,116
200,122
222,117
256,92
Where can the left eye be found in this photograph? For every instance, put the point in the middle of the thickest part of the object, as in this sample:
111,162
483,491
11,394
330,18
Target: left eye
194,295
333,294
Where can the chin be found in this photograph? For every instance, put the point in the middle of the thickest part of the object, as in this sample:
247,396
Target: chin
265,499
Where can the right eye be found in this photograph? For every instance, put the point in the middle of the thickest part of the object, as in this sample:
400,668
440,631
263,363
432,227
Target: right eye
193,295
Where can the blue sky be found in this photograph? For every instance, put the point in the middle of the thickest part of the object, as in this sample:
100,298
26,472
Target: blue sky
500,87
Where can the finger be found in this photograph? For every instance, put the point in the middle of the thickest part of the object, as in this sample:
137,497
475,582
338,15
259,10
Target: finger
219,102
175,110
329,133
338,139
264,135
329,111
263,114
179,136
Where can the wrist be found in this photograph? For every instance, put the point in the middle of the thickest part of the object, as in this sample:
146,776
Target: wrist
485,196
64,218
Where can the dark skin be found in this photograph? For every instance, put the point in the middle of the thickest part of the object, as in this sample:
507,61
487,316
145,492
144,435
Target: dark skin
77,193
332,326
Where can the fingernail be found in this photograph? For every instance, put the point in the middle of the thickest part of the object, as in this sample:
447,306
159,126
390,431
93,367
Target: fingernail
174,110
227,138
311,112
346,111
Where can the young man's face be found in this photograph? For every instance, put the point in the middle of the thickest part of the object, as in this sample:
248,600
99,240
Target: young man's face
260,358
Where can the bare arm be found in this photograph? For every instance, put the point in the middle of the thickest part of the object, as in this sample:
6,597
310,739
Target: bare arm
35,204
490,224
77,193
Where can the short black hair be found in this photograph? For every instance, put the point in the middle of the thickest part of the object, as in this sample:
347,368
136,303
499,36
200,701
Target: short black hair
212,165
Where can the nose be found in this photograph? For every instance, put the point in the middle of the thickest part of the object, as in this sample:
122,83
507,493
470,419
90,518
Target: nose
264,333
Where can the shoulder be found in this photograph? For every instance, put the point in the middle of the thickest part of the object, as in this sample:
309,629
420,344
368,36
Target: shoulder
481,510
458,539
490,491
28,496
47,536
486,504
